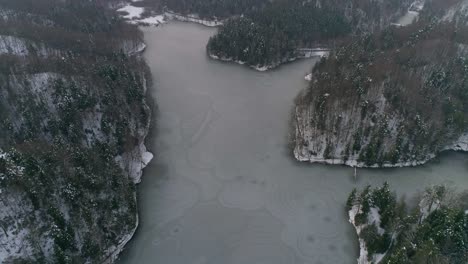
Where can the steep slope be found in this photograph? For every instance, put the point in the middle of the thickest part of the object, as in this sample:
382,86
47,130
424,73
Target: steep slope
73,123
395,98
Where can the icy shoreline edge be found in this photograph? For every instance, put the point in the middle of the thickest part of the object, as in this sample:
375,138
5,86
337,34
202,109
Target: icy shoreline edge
461,145
133,163
263,68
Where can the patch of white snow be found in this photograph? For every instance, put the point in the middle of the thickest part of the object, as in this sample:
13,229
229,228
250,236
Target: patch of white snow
132,11
154,20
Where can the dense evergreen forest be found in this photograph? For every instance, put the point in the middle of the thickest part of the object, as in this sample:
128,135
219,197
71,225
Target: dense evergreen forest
272,35
205,9
396,97
72,101
434,231
267,33
431,76
211,9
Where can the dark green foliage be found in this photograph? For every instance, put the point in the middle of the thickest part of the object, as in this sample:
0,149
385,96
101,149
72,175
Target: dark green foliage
365,199
447,229
385,201
440,236
351,199
272,35
90,178
65,117
360,219
210,9
399,256
418,83
375,242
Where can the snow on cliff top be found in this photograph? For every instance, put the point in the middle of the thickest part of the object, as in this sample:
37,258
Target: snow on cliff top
154,20
133,11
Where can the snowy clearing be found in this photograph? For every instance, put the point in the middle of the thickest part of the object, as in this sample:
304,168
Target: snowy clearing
132,11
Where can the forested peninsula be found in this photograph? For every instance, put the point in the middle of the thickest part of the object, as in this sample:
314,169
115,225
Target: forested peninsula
283,30
394,98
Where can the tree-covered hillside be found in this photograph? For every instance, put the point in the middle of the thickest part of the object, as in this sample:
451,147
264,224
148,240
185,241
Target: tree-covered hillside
272,35
393,232
73,119
394,98
211,9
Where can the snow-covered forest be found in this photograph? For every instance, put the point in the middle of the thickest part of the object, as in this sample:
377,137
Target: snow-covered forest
273,34
397,97
393,231
73,119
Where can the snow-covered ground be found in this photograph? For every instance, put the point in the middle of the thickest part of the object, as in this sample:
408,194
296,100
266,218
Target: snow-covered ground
133,12
135,161
133,47
313,52
257,67
461,144
302,154
13,238
303,54
353,161
134,16
13,45
314,151
372,218
153,20
363,254
23,47
193,18
412,14
112,253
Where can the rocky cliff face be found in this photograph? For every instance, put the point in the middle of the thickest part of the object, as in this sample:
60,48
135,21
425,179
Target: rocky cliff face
73,120
396,98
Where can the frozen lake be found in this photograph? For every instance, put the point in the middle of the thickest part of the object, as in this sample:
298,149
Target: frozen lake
223,188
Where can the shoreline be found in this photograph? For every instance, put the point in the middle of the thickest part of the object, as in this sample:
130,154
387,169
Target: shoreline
133,163
312,53
193,19
459,146
156,20
116,250
363,253
134,16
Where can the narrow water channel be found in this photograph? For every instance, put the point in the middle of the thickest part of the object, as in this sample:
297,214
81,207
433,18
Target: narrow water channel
223,188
